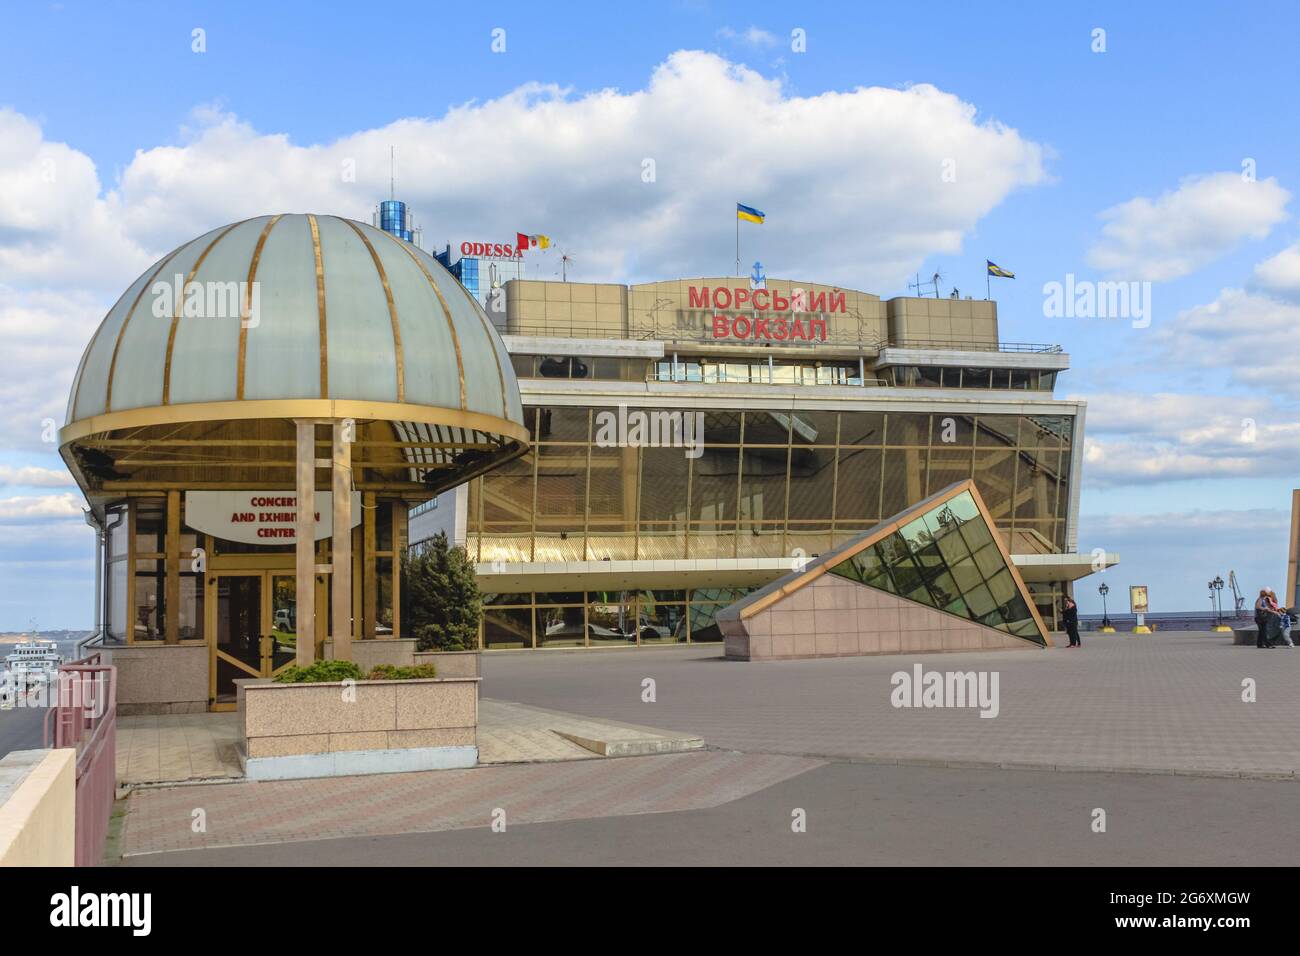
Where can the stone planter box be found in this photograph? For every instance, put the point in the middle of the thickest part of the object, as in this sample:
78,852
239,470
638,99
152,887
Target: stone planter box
452,663
401,652
292,731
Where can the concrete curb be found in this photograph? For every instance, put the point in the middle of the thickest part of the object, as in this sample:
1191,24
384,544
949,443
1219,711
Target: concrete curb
946,764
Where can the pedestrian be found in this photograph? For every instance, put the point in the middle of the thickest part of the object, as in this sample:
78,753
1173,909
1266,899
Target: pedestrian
1070,618
1263,619
1284,619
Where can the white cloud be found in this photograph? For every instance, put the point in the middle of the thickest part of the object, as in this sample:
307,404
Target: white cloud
56,228
539,158
45,332
19,510
1135,439
1255,338
1184,229
751,36
1281,273
33,476
571,165
1175,552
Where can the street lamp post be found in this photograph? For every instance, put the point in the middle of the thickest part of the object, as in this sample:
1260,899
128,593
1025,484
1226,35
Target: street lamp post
1216,591
1106,626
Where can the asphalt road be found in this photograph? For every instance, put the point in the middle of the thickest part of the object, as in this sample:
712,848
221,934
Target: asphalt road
869,815
21,729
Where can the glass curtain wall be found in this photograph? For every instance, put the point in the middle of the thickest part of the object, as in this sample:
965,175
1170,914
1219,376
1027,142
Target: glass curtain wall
762,484
604,618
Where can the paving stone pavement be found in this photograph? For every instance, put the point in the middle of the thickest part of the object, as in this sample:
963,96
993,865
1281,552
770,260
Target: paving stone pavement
174,747
1165,702
516,733
1169,703
186,748
163,819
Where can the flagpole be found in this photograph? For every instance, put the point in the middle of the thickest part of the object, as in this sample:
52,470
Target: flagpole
737,243
987,296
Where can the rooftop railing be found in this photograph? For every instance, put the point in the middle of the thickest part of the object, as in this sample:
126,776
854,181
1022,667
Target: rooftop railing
971,346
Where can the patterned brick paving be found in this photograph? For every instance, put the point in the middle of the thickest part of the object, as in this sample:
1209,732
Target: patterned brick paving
282,811
1166,702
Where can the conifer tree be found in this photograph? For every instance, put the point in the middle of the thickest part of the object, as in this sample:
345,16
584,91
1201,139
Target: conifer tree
441,603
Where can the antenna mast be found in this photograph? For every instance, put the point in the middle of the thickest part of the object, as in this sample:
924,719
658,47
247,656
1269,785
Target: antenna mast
923,287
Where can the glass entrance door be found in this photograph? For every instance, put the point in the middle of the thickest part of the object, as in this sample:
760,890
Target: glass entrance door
254,633
283,640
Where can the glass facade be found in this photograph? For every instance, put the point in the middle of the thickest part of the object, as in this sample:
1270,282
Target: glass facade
935,376
747,370
140,558
466,270
604,618
762,484
947,558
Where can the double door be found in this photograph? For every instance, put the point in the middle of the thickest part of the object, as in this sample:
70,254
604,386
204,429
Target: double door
254,629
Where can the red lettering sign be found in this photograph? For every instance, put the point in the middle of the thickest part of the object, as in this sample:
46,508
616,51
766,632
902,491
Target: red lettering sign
491,250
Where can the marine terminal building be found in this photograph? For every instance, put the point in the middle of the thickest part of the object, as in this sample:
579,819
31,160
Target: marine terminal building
694,439
276,411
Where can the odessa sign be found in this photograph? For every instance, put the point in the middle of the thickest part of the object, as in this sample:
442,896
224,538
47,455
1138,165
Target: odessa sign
491,250
259,517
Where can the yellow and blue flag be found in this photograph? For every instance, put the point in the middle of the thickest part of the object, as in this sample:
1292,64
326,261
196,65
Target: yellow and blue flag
749,213
997,270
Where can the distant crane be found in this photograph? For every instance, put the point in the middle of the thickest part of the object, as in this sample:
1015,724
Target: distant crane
1238,599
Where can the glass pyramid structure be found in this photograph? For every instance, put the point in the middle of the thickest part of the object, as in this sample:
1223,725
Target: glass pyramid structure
944,553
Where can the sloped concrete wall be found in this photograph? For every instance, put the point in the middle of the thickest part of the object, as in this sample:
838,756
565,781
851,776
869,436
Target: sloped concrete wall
834,617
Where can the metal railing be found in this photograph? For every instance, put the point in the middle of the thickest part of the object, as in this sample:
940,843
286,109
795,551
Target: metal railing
971,346
84,717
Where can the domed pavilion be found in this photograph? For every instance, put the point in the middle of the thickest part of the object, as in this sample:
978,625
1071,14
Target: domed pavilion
250,424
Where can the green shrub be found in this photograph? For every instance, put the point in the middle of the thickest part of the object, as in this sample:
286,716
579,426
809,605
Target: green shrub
408,672
320,672
441,603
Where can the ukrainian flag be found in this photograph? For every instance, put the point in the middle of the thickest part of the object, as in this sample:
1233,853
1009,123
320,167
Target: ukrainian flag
749,213
997,270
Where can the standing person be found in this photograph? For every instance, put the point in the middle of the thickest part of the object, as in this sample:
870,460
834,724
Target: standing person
1284,620
1070,618
1263,613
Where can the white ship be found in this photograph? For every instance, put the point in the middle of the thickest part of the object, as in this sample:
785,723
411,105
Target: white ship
31,665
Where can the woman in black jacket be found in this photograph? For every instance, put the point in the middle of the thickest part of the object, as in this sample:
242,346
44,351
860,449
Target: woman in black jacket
1070,618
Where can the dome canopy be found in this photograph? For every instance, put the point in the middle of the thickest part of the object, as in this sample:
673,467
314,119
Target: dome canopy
290,308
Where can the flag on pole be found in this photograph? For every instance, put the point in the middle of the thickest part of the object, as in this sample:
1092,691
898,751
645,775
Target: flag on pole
523,242
997,270
749,213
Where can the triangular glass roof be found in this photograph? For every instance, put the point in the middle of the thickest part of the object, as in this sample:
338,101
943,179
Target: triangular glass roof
943,552
948,557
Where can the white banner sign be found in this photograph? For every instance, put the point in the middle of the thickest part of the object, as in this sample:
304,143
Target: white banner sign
259,517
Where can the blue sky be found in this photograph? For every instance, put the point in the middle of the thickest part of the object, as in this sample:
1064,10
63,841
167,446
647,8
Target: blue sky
155,143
